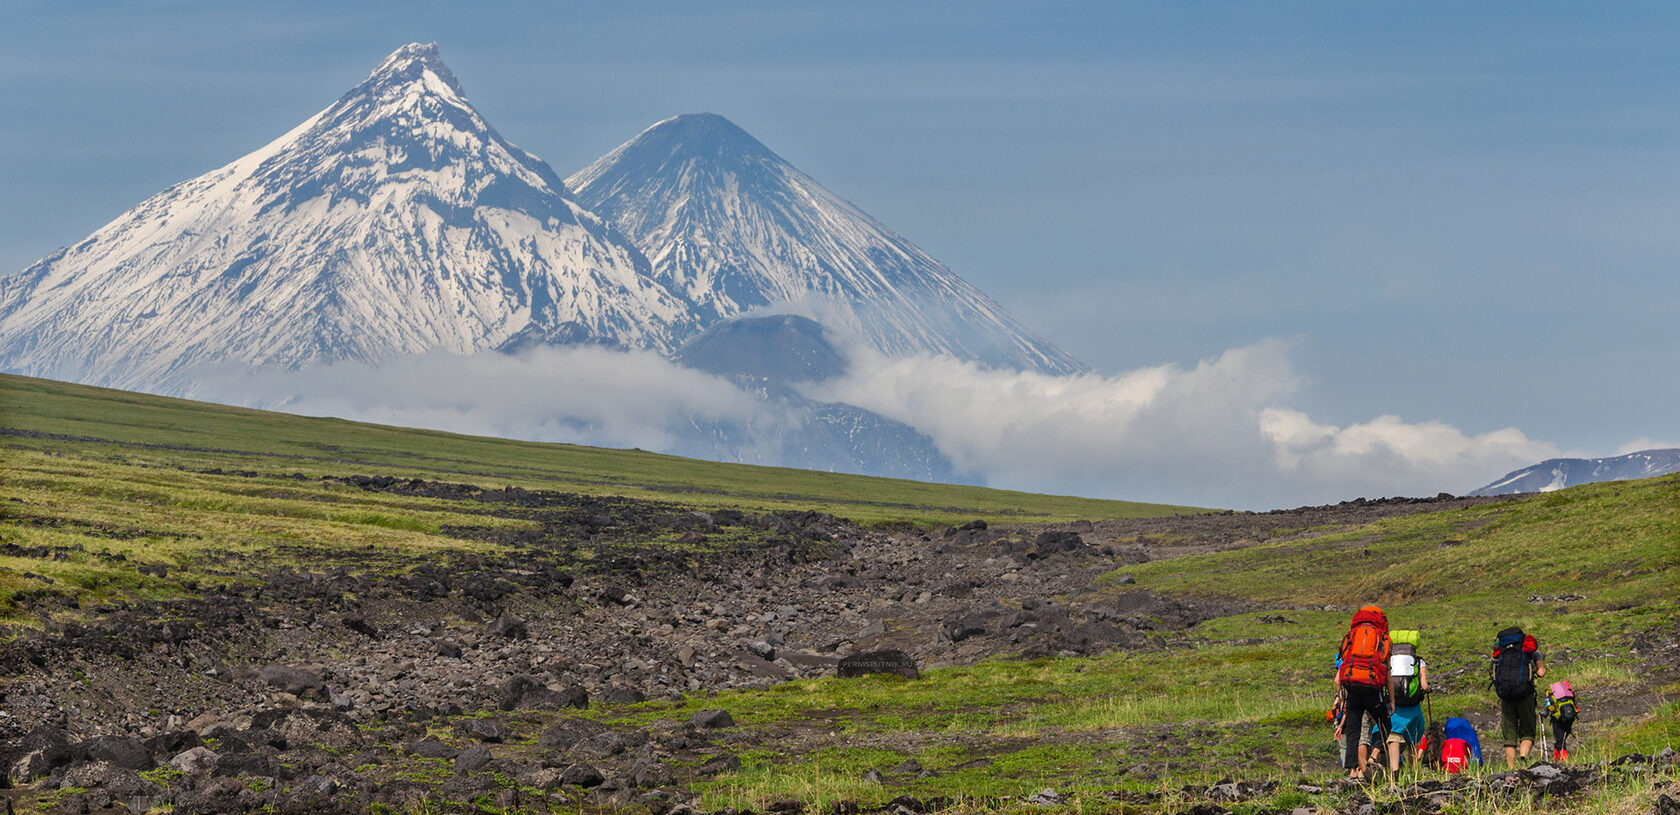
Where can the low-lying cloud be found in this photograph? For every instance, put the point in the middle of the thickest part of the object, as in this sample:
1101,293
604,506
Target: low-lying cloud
1221,433
1218,434
576,394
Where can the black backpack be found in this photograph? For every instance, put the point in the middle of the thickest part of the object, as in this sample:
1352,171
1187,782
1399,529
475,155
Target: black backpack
1511,679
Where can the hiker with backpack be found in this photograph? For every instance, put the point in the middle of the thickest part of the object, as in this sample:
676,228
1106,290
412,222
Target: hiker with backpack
1362,684
1516,663
1562,709
1408,682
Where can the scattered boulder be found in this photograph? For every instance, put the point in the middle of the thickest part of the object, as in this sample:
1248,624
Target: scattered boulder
217,795
473,759
40,760
1052,541
360,625
298,682
623,696
582,775
488,731
567,733
650,772
172,742
719,764
510,627
525,692
712,719
431,747
961,628
839,582
1046,797
126,753
243,763
197,761
326,727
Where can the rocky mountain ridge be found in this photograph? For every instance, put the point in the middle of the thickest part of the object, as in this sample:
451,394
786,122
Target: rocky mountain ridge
771,357
1558,473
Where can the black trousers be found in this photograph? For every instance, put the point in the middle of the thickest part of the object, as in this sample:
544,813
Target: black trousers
1357,702
1560,732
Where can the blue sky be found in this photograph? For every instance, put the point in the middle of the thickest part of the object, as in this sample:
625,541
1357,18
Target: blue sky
1454,212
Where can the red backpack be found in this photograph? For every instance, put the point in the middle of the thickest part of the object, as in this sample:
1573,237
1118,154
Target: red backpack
1365,650
1455,755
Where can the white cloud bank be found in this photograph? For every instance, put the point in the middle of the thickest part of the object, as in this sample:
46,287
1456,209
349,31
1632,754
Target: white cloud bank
1219,434
1642,444
579,394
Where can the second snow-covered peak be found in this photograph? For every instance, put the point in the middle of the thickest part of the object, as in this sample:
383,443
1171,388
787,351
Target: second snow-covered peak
735,228
682,142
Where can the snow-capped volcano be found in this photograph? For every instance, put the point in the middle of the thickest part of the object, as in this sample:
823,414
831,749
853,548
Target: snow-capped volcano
394,221
733,227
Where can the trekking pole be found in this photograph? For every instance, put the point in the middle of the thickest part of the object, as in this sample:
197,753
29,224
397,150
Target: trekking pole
1429,731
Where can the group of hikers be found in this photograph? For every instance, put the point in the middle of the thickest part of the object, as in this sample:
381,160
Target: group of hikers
1382,688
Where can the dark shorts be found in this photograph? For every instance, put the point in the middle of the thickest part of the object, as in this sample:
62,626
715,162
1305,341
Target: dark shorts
1516,720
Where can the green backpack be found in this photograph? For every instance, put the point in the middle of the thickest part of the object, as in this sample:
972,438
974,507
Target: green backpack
1405,680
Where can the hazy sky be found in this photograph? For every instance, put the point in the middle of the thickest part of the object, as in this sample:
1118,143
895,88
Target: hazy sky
1462,212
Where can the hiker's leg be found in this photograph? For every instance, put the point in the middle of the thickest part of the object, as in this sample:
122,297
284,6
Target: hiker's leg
1527,726
1352,720
1355,734
1510,731
1368,744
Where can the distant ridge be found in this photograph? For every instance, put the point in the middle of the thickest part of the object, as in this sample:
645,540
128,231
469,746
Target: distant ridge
770,357
1557,473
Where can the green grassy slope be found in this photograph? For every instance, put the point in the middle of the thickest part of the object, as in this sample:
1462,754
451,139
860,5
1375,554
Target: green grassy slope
148,430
